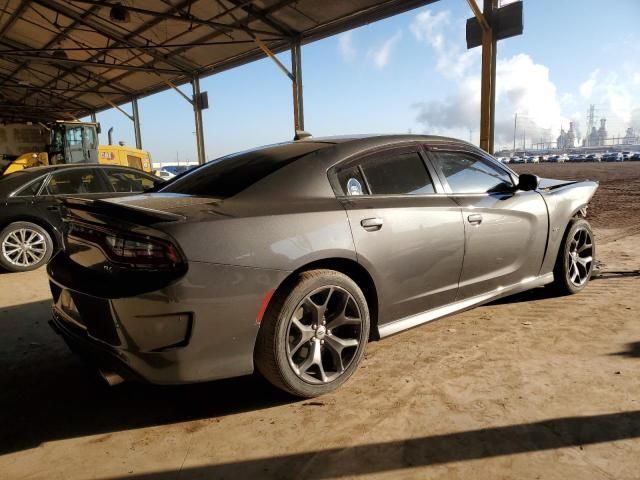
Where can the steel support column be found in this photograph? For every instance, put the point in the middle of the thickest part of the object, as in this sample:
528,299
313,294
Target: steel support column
489,9
195,83
298,99
488,78
94,119
136,122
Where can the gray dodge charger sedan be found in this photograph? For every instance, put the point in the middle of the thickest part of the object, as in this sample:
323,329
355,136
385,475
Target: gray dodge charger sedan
289,258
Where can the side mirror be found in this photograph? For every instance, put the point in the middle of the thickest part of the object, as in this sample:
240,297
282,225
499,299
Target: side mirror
528,182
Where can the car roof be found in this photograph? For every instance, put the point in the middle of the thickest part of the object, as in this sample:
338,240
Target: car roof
52,168
381,138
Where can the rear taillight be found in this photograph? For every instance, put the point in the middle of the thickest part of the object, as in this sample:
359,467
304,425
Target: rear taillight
128,249
141,251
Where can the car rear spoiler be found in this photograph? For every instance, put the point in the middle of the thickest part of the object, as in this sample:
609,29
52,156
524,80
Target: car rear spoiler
100,210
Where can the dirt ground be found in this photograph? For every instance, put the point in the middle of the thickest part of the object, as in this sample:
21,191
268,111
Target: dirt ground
531,387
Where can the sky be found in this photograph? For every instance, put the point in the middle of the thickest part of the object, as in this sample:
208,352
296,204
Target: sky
413,73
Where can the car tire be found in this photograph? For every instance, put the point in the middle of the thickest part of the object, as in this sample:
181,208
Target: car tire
296,351
38,247
576,258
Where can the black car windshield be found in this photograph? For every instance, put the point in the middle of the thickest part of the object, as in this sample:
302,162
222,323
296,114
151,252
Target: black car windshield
227,176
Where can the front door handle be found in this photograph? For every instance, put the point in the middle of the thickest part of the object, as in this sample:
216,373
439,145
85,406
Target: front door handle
372,224
475,218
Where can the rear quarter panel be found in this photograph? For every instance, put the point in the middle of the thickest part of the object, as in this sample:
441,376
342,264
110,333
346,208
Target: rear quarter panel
289,219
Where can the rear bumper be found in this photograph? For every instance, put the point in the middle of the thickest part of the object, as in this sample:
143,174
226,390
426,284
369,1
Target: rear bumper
104,358
201,327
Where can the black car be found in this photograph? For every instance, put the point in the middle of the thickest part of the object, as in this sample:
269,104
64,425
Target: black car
30,220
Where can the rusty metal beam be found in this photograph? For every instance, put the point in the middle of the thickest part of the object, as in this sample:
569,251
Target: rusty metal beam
264,17
197,110
107,32
183,17
138,31
15,16
298,104
87,63
488,75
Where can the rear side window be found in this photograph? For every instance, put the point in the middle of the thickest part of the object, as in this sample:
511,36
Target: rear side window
75,181
397,174
466,173
352,182
388,173
30,190
230,175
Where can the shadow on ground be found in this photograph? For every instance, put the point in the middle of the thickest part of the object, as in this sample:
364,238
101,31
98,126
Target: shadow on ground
609,274
422,451
540,293
633,350
47,393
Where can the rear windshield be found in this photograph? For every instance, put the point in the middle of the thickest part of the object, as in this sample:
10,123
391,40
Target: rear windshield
227,176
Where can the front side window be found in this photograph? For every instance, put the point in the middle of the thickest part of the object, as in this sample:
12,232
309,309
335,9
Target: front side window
127,181
75,181
466,173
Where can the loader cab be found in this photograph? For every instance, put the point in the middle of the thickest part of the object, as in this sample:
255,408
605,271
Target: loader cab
73,142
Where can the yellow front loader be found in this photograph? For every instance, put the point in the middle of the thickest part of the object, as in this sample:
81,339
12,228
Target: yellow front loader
77,142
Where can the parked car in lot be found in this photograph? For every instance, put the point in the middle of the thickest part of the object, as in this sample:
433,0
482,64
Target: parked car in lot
30,221
289,258
164,174
517,159
626,155
613,157
592,157
177,169
635,157
556,159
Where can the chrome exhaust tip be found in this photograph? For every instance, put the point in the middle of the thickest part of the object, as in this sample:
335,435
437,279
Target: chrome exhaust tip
111,378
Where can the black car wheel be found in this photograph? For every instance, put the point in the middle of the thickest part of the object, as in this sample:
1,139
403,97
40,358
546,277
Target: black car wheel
24,246
314,334
576,258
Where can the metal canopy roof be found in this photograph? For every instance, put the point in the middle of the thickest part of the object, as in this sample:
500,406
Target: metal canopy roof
68,58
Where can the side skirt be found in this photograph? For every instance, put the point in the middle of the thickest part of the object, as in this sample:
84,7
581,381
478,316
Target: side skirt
430,315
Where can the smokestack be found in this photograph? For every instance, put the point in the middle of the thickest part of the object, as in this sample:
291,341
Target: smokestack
110,135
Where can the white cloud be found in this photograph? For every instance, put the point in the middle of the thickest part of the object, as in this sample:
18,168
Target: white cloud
382,54
452,60
523,85
428,27
345,46
586,87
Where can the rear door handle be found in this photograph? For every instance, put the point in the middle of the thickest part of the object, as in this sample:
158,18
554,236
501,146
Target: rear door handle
475,218
372,224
